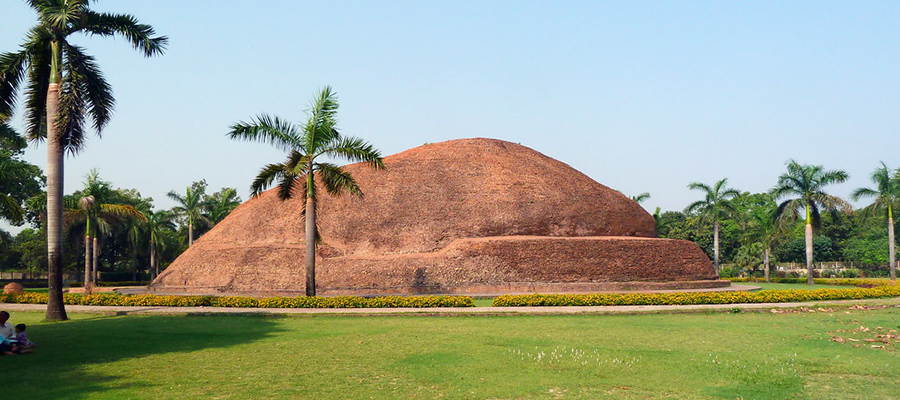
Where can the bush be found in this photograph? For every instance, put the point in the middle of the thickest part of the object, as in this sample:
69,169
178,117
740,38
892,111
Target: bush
633,299
864,282
149,300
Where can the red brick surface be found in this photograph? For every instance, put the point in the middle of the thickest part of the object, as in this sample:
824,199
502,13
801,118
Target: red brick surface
452,217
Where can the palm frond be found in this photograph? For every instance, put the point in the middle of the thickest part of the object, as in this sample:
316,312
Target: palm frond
36,96
99,97
337,181
354,149
264,179
13,67
268,129
127,26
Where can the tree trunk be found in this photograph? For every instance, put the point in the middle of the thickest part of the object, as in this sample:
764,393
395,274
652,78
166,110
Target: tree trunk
153,260
134,262
716,246
310,246
766,262
809,254
95,268
190,234
87,260
56,310
892,257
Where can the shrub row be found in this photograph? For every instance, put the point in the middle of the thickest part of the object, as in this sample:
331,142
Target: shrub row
635,299
823,281
109,284
111,299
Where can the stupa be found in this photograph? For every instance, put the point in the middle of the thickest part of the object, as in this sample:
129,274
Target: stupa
467,216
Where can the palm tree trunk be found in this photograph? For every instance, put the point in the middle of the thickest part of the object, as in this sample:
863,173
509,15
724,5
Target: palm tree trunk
190,234
809,254
134,262
87,260
766,261
153,260
56,310
96,260
892,257
716,245
310,246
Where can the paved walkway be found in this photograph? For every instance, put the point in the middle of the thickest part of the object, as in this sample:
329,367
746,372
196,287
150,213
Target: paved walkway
572,310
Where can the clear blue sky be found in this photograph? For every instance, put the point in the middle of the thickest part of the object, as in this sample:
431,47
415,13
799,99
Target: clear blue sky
641,96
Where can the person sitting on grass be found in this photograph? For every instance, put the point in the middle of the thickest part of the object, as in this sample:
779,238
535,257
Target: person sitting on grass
8,347
22,337
6,329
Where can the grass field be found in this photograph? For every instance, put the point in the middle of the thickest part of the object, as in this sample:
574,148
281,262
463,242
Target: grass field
682,356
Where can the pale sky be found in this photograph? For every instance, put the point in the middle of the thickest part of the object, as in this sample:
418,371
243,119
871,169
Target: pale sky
641,96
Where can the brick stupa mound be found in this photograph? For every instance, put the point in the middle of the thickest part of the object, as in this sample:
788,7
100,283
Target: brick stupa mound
469,216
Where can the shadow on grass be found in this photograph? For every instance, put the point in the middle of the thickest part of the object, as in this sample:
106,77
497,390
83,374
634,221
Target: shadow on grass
68,362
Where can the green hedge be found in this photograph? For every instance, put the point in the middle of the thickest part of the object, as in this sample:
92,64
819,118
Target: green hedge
822,281
111,284
640,299
112,299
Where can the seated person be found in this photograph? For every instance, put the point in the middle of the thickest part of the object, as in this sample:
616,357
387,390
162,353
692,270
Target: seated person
22,337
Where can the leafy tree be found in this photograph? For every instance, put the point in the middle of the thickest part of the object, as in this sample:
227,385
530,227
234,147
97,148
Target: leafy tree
219,204
316,138
64,86
804,185
191,206
19,180
715,206
886,194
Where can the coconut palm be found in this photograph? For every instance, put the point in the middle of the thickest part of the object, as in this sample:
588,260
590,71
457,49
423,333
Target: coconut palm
887,196
156,226
715,205
316,138
64,87
804,185
191,206
221,203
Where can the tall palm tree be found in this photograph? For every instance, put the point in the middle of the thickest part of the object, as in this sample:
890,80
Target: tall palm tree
806,185
64,86
316,138
715,205
191,206
157,224
221,203
887,196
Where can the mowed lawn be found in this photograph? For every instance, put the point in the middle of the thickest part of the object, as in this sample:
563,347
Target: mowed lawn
683,356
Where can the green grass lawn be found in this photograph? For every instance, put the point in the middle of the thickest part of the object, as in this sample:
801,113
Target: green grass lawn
679,356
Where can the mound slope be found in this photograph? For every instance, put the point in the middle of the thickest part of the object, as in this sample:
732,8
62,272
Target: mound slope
462,216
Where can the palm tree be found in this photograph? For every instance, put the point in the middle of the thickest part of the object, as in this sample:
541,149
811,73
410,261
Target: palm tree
317,137
715,205
766,227
221,203
64,86
191,206
806,183
98,214
887,195
157,224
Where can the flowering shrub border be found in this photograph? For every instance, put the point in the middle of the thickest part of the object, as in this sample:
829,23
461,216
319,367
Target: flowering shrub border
641,299
112,299
822,281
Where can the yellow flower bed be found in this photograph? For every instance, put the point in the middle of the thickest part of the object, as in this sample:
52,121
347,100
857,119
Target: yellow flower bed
147,300
634,299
